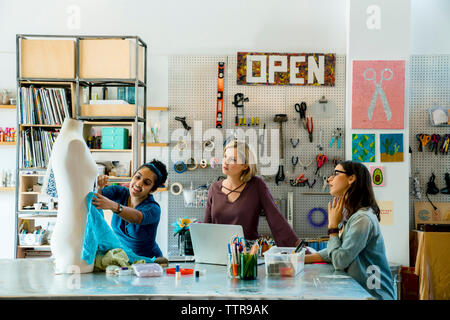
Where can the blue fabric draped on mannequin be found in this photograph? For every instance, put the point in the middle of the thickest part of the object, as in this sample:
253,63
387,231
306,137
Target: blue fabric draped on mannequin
99,237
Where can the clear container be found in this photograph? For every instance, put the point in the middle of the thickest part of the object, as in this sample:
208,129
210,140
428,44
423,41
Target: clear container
233,267
283,262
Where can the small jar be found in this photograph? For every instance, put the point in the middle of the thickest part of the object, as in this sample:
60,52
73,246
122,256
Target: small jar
232,267
249,266
5,97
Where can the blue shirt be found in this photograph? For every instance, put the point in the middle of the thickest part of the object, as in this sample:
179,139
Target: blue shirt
360,252
141,238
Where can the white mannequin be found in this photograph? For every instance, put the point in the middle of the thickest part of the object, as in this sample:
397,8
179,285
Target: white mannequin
75,172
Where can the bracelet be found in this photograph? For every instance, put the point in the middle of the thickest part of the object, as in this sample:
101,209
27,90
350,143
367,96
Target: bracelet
333,230
119,209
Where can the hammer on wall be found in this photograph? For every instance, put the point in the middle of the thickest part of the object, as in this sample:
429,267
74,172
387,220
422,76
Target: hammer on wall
280,118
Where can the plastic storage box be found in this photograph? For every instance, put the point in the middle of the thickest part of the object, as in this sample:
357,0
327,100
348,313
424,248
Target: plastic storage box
114,138
282,262
31,239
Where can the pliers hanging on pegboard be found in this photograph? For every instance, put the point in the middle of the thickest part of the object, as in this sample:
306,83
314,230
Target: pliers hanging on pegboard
337,134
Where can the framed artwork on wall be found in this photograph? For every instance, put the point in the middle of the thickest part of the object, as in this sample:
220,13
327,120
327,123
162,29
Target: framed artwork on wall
363,147
378,94
391,147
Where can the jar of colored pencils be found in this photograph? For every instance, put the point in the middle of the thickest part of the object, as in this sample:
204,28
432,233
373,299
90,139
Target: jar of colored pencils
248,266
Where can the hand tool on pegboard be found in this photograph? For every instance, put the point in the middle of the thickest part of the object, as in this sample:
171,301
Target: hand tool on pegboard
310,128
321,160
261,141
280,118
239,104
301,109
220,88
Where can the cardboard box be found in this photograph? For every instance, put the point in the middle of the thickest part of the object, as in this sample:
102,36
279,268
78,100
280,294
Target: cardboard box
110,59
47,59
110,110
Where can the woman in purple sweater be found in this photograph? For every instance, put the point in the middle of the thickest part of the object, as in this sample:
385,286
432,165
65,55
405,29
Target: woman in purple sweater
240,198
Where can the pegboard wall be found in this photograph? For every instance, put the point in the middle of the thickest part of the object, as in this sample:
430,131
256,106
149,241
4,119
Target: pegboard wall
192,94
429,86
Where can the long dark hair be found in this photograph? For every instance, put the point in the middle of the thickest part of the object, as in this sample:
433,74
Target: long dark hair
360,194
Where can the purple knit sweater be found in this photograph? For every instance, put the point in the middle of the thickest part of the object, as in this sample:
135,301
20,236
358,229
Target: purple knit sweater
245,211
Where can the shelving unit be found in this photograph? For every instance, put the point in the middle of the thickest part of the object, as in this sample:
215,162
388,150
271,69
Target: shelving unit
77,64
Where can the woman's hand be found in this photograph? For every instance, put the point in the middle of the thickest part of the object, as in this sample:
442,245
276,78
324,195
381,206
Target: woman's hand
335,212
102,202
102,181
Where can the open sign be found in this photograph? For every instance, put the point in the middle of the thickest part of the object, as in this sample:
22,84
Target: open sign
303,69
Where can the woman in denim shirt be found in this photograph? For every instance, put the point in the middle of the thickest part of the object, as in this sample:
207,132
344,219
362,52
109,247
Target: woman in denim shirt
356,244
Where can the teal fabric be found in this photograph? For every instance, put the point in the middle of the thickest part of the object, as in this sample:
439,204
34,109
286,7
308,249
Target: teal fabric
360,251
100,238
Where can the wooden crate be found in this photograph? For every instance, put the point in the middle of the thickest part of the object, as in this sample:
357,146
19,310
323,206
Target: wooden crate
47,59
110,59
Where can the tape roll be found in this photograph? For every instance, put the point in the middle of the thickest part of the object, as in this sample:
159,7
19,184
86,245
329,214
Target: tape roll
191,164
213,162
176,188
181,145
179,167
203,164
208,145
319,224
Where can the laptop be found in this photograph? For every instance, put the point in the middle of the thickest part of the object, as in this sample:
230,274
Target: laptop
210,241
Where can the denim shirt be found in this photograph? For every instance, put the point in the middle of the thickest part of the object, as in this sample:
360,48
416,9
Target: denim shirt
360,252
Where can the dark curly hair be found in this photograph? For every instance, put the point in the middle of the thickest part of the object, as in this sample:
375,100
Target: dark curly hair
360,194
161,167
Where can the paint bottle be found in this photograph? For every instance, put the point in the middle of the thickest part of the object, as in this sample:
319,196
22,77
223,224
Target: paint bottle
177,272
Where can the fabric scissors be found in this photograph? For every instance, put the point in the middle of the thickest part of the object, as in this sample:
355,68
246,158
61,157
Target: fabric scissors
379,91
423,140
434,142
321,160
301,109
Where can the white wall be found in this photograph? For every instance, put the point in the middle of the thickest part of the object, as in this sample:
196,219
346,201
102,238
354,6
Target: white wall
389,42
169,28
430,27
198,27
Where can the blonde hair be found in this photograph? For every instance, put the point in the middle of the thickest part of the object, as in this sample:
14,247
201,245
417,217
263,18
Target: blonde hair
246,154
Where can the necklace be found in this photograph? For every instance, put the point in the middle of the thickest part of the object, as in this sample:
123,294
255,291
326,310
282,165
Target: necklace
233,190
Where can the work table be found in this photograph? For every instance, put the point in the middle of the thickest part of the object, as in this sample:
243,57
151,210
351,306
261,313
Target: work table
35,278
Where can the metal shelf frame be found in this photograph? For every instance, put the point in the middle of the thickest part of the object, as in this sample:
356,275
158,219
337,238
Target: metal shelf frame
105,82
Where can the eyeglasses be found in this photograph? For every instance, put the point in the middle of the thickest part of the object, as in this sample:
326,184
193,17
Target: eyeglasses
336,172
